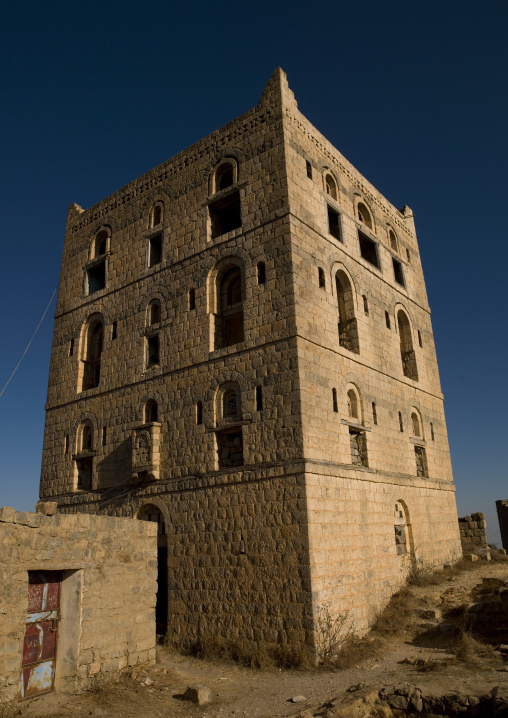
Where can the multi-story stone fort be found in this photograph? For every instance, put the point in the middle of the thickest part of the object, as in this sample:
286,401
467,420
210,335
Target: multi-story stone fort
243,352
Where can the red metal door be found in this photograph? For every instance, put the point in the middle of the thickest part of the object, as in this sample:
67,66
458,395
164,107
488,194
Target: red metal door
39,645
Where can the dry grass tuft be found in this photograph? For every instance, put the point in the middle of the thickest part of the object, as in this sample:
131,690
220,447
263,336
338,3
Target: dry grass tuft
252,655
470,651
497,556
355,651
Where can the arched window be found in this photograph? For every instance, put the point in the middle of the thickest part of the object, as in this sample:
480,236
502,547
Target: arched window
230,404
331,187
393,240
415,421
224,176
229,317
153,313
156,215
407,353
151,411
91,354
352,404
85,437
101,243
364,215
348,329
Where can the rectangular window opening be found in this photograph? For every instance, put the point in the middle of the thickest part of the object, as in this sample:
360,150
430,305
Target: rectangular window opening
153,350
230,448
358,443
66,444
408,255
420,338
397,272
96,278
309,169
334,224
199,413
84,469
387,320
261,273
374,413
155,250
104,435
334,401
365,305
192,299
113,330
421,462
368,250
71,347
432,431
259,398
225,215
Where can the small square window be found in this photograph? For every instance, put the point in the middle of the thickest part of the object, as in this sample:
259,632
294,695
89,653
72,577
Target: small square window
397,272
155,250
368,250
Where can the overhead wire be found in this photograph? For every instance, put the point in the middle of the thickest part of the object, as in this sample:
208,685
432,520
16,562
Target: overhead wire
29,343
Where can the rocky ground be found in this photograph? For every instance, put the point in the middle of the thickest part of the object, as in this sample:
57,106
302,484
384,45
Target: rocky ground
414,663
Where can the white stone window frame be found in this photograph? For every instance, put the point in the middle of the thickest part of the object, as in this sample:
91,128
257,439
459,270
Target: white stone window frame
357,201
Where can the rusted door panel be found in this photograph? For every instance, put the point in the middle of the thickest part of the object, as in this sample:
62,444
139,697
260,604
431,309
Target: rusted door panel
37,679
39,645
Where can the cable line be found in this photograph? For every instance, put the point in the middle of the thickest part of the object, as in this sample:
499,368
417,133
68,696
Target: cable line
28,345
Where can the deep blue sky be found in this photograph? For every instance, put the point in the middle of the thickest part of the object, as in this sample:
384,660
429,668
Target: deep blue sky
413,94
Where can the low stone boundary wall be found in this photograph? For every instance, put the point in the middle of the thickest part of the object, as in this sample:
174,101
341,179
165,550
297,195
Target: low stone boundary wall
473,532
106,572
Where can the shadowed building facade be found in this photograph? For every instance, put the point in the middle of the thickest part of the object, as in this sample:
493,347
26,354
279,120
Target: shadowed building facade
243,352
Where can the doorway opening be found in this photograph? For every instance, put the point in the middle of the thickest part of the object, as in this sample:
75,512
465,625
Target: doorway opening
152,513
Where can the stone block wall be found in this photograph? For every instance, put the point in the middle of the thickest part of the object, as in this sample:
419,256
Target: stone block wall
107,598
357,559
473,532
502,515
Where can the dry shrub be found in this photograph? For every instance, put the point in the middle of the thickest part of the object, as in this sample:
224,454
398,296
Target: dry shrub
497,556
355,651
398,616
470,650
252,655
464,565
332,632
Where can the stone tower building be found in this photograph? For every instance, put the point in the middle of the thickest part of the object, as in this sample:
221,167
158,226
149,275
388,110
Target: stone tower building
243,352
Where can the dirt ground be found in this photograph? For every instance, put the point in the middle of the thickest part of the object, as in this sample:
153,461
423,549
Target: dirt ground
237,691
